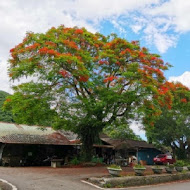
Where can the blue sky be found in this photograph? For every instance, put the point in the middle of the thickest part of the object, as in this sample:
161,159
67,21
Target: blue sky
178,56
161,25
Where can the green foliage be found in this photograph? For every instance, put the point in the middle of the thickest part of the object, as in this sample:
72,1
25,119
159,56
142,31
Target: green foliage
5,116
187,162
170,166
85,82
172,128
30,108
114,166
107,185
157,167
139,166
75,161
97,160
179,163
122,131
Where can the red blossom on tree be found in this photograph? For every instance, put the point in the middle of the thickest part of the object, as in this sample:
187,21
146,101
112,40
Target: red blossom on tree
141,54
8,100
184,100
109,79
64,73
83,78
93,79
78,31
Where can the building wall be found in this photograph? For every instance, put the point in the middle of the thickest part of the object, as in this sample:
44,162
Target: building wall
148,155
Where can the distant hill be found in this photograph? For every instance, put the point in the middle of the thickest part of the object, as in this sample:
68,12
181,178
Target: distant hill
4,115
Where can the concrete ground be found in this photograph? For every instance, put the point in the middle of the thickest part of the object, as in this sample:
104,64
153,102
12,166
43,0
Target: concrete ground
182,185
47,178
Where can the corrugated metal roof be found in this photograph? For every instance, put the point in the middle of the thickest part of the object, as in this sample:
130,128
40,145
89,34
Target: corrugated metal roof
24,134
128,143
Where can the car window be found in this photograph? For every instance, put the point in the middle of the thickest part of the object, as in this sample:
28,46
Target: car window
169,157
161,156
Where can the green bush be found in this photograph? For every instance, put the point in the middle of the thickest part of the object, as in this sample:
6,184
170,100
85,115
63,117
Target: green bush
157,167
179,163
139,166
97,160
170,166
114,166
187,162
107,185
75,161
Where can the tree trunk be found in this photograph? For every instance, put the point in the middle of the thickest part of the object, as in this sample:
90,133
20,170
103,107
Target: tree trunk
89,136
87,151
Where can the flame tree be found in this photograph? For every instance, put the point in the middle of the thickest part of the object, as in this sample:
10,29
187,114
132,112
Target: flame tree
173,126
84,82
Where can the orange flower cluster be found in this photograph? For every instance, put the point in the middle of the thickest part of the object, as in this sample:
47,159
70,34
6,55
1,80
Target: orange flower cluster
34,46
109,79
64,73
45,50
141,54
163,90
127,50
71,44
51,44
153,70
101,62
78,31
83,78
11,50
153,58
184,100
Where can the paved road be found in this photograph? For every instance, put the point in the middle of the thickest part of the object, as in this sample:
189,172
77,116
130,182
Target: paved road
183,185
46,178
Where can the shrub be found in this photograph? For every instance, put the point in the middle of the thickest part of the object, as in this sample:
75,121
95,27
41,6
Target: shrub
97,160
157,167
179,163
170,166
107,185
139,166
114,166
75,161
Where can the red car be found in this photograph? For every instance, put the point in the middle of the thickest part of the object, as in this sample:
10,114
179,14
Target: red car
164,159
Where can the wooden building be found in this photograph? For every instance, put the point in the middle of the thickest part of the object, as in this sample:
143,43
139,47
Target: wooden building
32,145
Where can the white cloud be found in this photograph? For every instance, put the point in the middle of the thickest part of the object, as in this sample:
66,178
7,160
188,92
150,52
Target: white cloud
138,129
178,11
184,79
157,20
136,28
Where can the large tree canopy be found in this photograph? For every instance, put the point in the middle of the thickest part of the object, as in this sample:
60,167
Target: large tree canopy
173,127
86,81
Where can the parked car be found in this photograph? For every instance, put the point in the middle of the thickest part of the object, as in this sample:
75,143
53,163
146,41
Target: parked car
164,159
